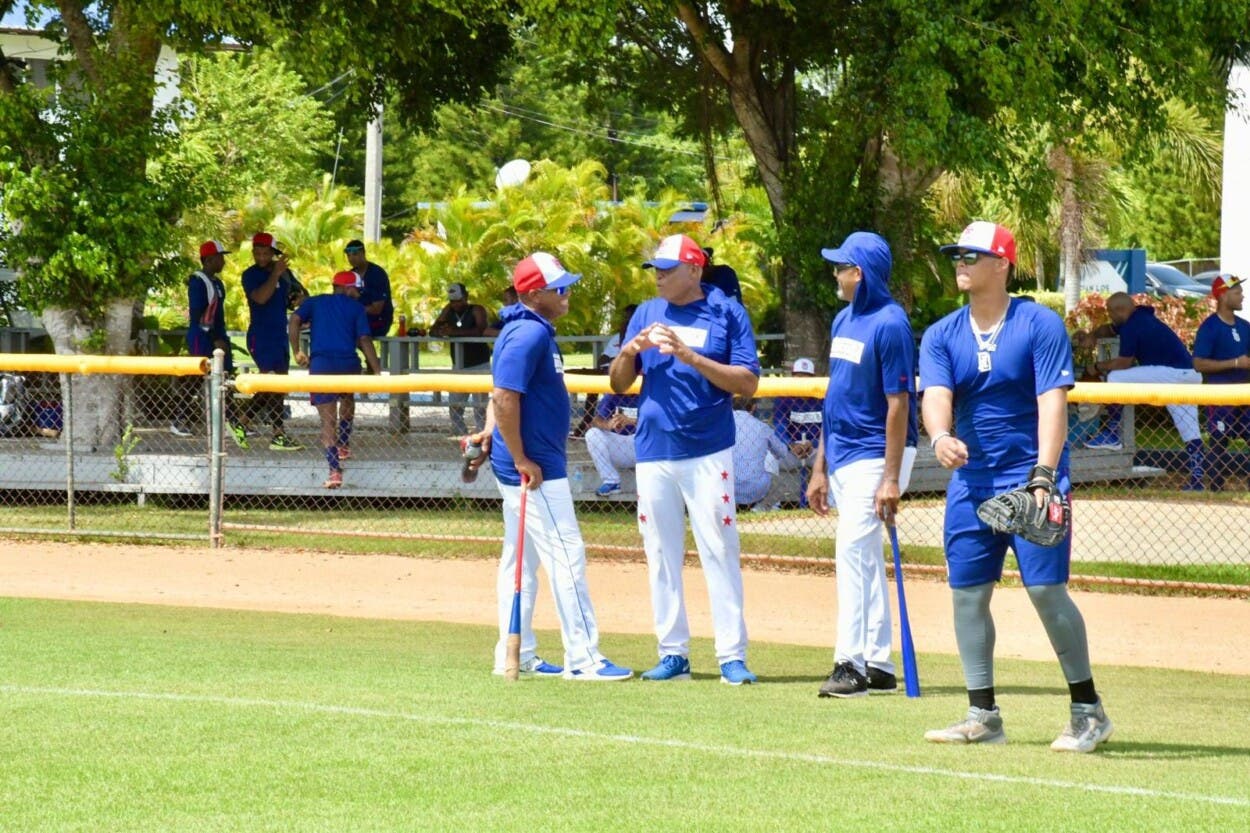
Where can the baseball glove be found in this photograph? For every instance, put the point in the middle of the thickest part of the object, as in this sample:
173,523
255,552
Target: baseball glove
1017,513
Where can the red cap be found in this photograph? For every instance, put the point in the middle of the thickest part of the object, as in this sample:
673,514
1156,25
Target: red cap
346,278
541,271
1223,283
675,250
987,238
264,238
211,247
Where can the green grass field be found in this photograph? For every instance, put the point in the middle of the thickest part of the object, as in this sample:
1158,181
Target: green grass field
122,717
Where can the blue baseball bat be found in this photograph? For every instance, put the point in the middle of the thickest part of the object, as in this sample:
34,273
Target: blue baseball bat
911,677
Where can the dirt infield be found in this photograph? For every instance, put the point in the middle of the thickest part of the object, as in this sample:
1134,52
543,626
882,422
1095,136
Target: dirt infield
1183,633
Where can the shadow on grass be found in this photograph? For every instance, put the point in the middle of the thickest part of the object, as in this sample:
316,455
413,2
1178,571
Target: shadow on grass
1140,750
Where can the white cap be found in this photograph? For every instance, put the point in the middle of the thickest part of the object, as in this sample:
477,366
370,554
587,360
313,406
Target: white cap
805,366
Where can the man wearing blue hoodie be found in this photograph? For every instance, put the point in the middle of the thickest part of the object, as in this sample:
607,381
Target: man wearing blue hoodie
530,412
865,456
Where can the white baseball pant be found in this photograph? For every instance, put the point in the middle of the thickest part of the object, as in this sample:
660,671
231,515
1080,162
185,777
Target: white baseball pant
864,625
553,538
610,452
1184,417
705,487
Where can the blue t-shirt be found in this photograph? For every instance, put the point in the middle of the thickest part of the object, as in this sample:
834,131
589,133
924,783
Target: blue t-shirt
682,415
1151,342
1217,340
376,286
996,410
871,355
266,329
627,403
337,323
528,360
207,311
798,418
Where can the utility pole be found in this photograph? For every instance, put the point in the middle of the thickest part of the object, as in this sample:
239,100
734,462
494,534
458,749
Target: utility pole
1235,213
373,178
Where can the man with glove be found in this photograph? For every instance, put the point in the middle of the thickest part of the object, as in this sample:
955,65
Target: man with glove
994,377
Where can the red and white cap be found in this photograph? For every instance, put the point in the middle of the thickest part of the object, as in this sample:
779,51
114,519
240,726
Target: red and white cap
346,278
1223,283
264,238
675,250
211,247
987,238
541,271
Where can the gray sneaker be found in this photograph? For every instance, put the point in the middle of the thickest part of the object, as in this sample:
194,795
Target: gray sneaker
979,726
1088,727
844,682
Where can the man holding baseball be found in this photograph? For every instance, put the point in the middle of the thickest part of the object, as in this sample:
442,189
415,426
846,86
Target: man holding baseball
271,291
338,325
530,412
1221,350
994,377
865,454
695,350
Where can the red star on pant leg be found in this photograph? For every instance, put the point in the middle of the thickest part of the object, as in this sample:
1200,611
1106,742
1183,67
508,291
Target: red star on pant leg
724,498
729,521
642,519
724,475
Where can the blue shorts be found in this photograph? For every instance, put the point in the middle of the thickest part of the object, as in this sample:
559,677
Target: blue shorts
1228,421
332,369
975,553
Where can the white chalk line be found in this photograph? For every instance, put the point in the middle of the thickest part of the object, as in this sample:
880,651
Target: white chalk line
634,740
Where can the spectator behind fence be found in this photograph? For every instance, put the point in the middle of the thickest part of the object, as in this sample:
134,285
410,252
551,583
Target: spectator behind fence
338,325
272,291
1160,356
603,363
610,440
206,332
1084,418
461,319
1222,356
695,351
374,286
797,422
756,451
722,276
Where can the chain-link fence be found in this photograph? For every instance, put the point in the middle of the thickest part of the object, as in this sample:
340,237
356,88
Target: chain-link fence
1138,516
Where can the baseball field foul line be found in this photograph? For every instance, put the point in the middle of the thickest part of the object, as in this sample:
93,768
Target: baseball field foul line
635,740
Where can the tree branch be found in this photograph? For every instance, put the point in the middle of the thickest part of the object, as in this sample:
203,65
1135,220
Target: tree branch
712,50
81,37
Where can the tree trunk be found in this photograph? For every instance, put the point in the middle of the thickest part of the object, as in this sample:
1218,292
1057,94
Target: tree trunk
96,401
1071,226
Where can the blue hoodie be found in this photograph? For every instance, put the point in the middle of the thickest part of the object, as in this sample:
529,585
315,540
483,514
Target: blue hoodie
528,360
871,355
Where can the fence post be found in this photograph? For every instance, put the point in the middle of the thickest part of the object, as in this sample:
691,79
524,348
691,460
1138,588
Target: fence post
216,446
67,427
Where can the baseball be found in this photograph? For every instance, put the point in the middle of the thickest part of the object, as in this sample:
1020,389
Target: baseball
655,336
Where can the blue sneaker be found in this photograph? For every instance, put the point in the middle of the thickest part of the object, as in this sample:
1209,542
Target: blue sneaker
671,667
536,667
604,672
1105,439
735,672
606,489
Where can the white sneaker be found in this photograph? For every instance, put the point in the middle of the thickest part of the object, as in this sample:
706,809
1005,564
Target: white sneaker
603,671
536,667
1088,727
979,726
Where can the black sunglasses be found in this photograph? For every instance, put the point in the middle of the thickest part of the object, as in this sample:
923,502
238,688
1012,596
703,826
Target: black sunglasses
842,267
968,257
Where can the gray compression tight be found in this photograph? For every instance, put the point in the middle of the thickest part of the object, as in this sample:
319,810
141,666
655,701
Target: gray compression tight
1066,628
974,634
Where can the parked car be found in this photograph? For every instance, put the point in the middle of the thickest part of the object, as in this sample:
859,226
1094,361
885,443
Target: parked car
1208,277
1162,279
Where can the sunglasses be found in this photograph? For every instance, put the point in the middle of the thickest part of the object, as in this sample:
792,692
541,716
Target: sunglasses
842,267
968,258
560,290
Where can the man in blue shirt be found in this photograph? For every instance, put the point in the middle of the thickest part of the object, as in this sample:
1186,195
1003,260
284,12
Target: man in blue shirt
375,289
610,440
530,413
1151,352
271,292
994,377
864,456
1221,350
337,327
695,351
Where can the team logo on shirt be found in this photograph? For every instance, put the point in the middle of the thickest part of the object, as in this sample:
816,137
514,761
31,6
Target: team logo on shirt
847,349
558,361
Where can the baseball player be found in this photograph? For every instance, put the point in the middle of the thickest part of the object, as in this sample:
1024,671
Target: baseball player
610,440
994,377
374,288
271,291
338,325
695,350
530,412
864,456
206,305
1220,355
1151,352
